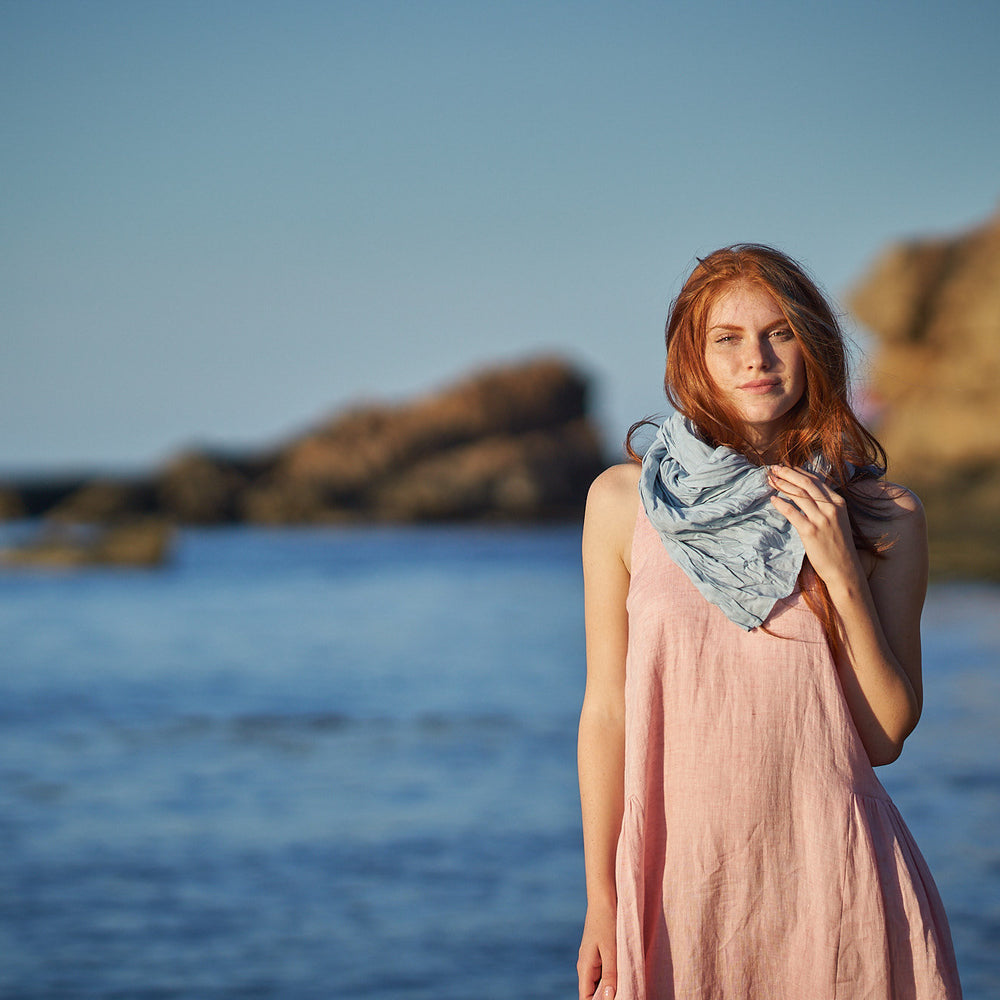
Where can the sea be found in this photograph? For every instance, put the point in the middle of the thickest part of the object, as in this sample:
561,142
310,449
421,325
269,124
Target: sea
296,764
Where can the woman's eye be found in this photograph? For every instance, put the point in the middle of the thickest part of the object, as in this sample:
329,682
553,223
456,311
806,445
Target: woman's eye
783,334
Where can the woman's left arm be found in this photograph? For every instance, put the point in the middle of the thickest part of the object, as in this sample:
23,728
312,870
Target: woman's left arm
879,615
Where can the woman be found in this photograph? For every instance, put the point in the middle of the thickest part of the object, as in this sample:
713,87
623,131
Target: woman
753,598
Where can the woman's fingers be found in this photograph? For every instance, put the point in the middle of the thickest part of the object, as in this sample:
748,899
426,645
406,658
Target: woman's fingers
816,507
597,974
819,514
798,520
803,483
594,975
813,496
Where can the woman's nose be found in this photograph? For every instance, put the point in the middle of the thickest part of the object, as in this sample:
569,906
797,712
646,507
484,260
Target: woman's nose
757,355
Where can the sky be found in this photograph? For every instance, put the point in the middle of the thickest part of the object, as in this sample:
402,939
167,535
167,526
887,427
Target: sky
221,221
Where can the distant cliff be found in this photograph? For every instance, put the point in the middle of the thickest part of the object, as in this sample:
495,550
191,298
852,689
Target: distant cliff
934,305
511,443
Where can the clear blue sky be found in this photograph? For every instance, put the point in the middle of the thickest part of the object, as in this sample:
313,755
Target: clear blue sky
222,220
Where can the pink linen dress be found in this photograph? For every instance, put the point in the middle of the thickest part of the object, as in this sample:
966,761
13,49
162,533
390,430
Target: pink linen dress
759,857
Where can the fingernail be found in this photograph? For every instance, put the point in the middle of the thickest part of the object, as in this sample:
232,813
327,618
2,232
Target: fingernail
609,993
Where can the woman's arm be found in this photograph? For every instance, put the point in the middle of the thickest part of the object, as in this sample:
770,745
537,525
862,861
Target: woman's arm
607,540
879,616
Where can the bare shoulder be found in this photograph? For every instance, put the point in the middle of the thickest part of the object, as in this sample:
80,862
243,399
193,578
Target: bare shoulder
900,508
612,504
900,532
614,493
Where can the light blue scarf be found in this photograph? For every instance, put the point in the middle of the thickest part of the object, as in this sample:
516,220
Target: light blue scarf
712,509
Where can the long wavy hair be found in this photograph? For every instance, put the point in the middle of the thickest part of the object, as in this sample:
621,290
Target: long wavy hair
821,423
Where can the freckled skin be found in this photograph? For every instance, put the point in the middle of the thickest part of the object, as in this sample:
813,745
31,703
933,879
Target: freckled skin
754,359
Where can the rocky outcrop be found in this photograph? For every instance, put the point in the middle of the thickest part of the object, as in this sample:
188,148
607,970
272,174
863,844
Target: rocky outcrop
512,443
136,544
104,501
205,488
11,504
37,495
934,306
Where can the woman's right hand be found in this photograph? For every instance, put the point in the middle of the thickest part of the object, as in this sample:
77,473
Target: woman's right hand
597,965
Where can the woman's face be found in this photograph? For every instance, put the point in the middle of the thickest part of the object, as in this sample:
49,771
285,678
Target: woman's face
754,359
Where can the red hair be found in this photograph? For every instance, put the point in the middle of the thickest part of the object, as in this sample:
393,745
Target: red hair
822,422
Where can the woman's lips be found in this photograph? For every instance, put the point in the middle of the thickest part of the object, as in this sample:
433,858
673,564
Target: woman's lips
761,386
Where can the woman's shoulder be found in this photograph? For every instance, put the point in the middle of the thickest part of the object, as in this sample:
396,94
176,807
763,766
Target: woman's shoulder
896,522
892,500
612,507
615,490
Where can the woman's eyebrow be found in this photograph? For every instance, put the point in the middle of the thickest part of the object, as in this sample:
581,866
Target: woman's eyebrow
736,328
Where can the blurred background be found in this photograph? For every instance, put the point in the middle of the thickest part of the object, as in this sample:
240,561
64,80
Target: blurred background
317,320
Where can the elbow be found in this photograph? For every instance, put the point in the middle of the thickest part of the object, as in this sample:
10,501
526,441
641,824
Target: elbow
596,720
889,746
885,750
887,754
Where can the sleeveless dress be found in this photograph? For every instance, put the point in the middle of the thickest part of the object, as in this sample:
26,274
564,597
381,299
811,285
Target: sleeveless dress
759,856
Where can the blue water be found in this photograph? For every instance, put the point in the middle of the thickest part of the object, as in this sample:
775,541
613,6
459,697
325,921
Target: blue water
315,763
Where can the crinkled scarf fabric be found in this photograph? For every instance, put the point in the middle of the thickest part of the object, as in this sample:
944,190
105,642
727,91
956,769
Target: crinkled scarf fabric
711,507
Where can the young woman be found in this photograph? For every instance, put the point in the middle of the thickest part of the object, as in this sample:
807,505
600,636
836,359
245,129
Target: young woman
753,598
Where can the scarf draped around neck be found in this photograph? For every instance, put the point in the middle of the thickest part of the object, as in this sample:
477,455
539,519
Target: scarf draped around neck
711,507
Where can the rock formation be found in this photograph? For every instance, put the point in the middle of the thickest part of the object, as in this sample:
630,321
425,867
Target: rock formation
139,543
103,501
934,306
11,504
513,443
